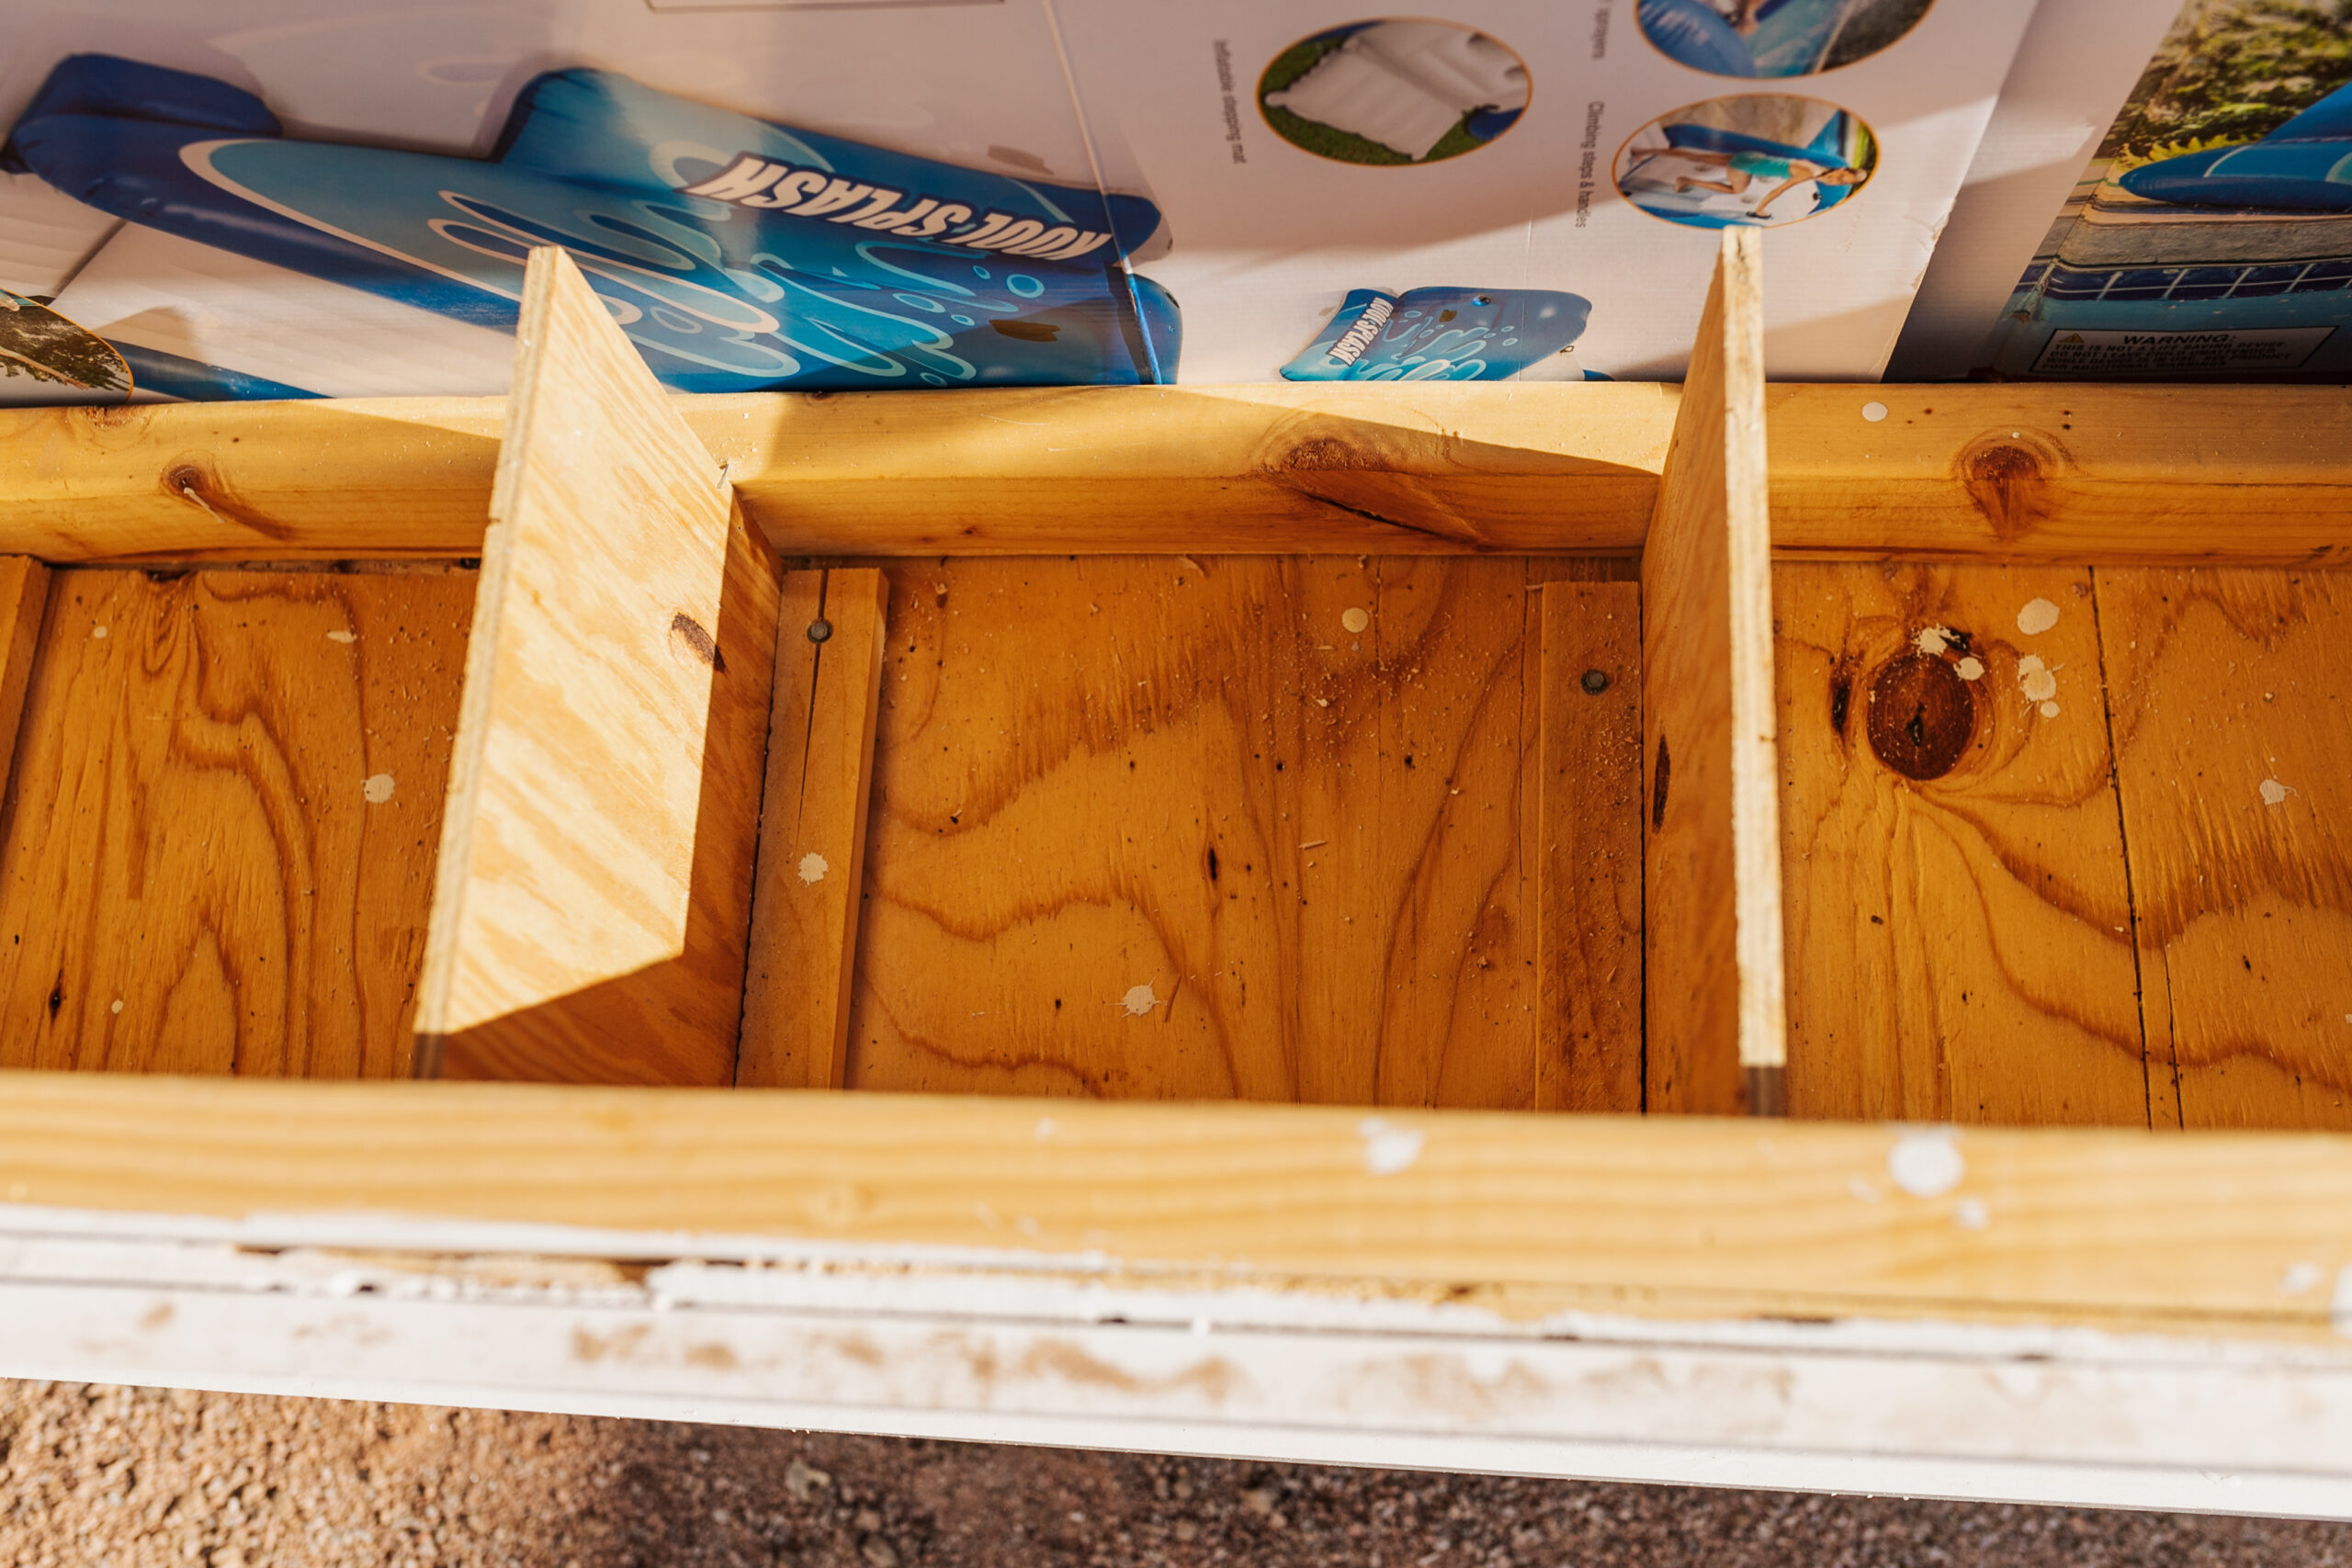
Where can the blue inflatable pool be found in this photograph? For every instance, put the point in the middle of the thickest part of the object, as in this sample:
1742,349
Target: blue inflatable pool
2304,165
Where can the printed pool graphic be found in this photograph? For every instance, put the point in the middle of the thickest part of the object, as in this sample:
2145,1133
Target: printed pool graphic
46,359
2304,165
737,253
1396,91
1441,334
1751,161
1775,37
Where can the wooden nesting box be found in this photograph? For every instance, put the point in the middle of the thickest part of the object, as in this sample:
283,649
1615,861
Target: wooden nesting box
1292,852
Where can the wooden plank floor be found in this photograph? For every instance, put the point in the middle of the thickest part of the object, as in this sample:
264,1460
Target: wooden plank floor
2068,844
1958,920
219,846
1232,826
2233,744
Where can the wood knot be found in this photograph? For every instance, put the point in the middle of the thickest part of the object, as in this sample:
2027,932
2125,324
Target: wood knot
686,629
2008,477
1319,455
1922,716
191,481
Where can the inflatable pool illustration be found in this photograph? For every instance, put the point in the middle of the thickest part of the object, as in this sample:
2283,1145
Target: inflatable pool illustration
1394,92
2305,166
737,253
46,359
1441,334
1740,162
1775,37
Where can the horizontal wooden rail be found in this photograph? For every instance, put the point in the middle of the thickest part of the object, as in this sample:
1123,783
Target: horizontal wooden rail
2143,474
2242,1233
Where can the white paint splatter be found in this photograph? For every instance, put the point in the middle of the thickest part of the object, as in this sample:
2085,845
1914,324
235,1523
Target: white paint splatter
1139,1001
1970,1215
2298,1278
1933,640
99,633
2038,616
813,868
2274,793
1201,1326
378,789
2039,681
1927,1164
1354,620
1873,411
2050,710
1046,1128
1856,1187
118,1005
1387,1149
2339,1311
1970,669
342,634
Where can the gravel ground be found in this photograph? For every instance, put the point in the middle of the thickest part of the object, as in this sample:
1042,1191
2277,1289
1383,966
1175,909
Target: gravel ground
119,1477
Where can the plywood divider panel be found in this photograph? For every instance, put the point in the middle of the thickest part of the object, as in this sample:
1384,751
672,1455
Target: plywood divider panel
219,852
1587,855
594,883
2233,714
1716,1029
808,897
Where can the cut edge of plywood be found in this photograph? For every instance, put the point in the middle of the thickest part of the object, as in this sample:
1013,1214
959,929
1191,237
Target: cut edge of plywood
1714,1007
1755,711
437,977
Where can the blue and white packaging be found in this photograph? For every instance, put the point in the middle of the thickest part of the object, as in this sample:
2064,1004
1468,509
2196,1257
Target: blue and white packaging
293,197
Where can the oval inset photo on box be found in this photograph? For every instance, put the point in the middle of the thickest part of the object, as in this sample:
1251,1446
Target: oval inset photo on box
1758,161
1394,91
1775,37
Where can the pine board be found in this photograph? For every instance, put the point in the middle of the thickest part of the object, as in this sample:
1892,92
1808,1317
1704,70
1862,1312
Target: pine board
2181,475
804,900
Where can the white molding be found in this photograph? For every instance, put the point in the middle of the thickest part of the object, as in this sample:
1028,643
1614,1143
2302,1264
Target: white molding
2019,1414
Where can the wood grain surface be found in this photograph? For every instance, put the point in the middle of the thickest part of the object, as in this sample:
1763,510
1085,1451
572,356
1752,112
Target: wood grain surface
2232,703
1958,918
1588,854
24,602
1205,826
219,847
805,901
2227,1234
1715,1031
2182,475
593,886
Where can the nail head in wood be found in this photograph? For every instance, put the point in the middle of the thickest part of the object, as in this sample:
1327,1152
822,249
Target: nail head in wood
820,629
1596,682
